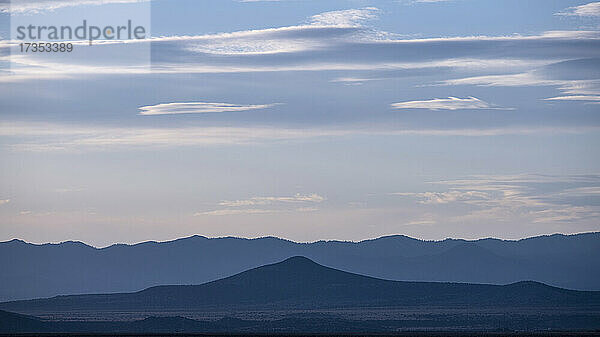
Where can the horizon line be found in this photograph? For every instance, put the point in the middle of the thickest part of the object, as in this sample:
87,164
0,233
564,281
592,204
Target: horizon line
292,241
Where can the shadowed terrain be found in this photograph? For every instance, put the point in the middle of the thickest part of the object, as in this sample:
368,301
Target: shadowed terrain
299,283
309,324
34,271
320,294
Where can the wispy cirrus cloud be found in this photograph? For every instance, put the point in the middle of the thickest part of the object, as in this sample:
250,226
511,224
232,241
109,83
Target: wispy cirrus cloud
445,197
333,41
525,198
72,138
198,108
584,98
252,211
450,103
223,212
344,18
314,47
63,190
298,198
591,9
578,79
276,204
293,39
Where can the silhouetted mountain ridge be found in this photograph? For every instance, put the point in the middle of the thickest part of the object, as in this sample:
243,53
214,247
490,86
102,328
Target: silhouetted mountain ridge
33,271
301,283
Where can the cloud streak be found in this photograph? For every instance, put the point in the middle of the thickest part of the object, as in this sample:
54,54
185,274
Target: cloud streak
277,205
591,9
298,198
197,108
344,18
330,41
450,103
575,98
62,137
432,198
524,198
573,88
224,212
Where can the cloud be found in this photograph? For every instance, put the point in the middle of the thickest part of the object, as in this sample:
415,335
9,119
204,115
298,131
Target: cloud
43,137
525,198
322,30
35,6
509,80
450,103
591,9
445,197
344,18
89,138
197,108
575,98
329,41
292,39
577,79
252,211
5,201
583,191
420,222
69,189
565,214
223,212
277,205
355,80
535,196
340,47
298,198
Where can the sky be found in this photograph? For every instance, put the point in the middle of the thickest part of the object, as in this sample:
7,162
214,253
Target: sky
305,120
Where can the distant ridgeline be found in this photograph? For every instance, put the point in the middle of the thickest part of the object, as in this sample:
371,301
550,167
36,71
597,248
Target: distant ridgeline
301,284
34,271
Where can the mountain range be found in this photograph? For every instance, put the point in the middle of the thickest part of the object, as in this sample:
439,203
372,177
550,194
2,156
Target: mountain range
36,271
301,285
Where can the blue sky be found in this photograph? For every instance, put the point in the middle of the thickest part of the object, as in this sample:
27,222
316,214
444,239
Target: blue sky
305,120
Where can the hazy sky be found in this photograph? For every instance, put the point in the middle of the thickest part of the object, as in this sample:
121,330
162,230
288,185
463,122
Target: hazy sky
305,120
